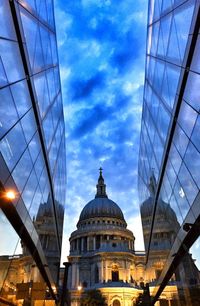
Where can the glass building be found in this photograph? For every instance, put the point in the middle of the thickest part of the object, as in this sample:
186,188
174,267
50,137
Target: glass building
169,157
32,153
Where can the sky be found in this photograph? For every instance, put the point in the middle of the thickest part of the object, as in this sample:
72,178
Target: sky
101,46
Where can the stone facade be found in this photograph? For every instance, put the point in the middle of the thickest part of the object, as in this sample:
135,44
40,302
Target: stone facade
102,253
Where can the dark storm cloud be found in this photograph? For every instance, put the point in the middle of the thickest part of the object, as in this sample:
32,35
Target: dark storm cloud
82,89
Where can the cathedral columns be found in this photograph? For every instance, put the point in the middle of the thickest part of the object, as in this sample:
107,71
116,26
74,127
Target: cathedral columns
102,271
106,271
88,241
75,275
82,244
126,271
101,241
94,243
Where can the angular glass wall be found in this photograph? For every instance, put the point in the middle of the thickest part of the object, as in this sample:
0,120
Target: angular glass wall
169,150
32,138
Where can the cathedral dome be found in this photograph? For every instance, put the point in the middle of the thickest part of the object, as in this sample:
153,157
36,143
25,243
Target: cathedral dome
101,206
162,208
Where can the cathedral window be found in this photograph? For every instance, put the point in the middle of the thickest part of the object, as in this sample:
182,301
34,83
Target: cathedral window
115,273
96,275
98,242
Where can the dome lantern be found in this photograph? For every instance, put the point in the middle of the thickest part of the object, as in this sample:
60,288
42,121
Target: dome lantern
101,187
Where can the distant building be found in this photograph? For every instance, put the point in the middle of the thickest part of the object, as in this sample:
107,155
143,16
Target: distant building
32,153
169,156
102,255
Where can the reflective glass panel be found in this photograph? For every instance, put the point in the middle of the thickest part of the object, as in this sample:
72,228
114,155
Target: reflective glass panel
6,24
192,93
21,97
22,170
7,107
187,117
196,57
195,134
192,160
11,60
13,145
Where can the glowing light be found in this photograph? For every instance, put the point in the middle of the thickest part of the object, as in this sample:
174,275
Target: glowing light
10,194
79,288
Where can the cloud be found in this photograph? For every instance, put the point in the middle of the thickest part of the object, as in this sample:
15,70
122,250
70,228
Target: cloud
82,89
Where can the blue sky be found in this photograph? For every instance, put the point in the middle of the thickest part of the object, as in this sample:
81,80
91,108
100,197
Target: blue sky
101,47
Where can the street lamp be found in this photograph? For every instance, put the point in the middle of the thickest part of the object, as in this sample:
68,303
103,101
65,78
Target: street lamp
79,294
79,287
10,195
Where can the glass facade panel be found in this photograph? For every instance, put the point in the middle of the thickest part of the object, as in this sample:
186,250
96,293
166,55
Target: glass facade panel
183,17
8,107
195,134
22,170
191,95
11,60
21,97
42,92
32,153
181,140
6,25
195,60
172,188
187,117
190,190
192,160
165,26
10,146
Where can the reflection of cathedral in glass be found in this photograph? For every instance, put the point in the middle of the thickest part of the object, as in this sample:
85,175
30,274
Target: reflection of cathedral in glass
165,228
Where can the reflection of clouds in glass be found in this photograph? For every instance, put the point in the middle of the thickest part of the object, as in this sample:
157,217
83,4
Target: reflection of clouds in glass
181,193
9,234
194,250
